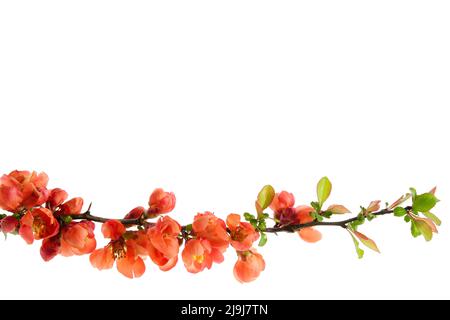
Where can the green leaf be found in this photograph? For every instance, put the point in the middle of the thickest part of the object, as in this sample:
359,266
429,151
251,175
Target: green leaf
431,216
323,190
2,216
263,240
315,206
262,225
399,212
248,216
414,229
189,228
407,218
413,193
359,251
265,197
424,202
425,229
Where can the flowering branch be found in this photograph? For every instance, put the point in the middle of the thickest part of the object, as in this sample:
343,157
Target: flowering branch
38,213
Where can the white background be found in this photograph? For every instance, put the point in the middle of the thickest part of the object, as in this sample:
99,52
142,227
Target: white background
214,99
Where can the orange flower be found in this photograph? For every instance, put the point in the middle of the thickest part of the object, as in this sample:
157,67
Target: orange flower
22,189
282,200
161,202
78,238
208,226
307,234
197,255
129,263
282,205
125,252
57,197
38,223
8,224
242,233
113,229
73,206
163,262
135,213
164,236
103,258
249,266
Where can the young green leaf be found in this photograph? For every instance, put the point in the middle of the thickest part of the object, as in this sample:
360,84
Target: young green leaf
338,209
369,243
414,229
424,229
431,216
248,216
323,190
263,239
359,251
399,212
265,198
424,202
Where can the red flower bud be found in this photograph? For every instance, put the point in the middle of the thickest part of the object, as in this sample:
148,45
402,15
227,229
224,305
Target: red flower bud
161,202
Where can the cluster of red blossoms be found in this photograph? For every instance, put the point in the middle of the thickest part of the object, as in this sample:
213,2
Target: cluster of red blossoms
39,213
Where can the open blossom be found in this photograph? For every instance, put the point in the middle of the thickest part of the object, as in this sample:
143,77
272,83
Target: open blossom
23,189
124,252
113,229
249,266
242,234
282,200
164,245
161,201
307,234
198,255
208,226
283,207
78,238
37,224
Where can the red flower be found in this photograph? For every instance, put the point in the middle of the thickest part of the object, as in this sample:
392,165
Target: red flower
135,213
22,189
208,226
249,266
57,197
37,224
307,234
50,247
73,206
8,224
78,238
161,202
129,263
164,236
125,252
113,229
198,255
282,200
242,233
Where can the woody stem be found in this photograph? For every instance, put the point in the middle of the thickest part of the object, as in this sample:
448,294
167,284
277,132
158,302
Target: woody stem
287,228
